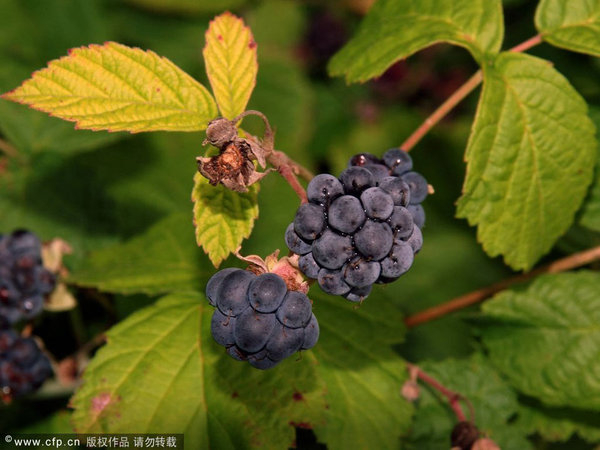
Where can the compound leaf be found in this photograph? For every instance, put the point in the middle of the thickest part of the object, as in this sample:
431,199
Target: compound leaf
163,259
574,25
551,333
230,58
223,218
117,88
531,139
395,29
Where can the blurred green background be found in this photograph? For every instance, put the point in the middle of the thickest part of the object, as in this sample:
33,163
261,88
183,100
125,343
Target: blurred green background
96,189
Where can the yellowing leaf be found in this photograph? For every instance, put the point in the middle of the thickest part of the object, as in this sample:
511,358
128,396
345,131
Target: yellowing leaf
118,88
223,218
230,57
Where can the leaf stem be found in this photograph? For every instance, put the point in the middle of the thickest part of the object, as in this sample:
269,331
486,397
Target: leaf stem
570,262
526,45
287,167
468,87
441,112
453,398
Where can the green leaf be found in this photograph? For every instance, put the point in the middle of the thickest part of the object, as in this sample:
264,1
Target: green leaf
558,424
395,29
550,333
230,58
223,218
350,383
185,7
532,147
493,401
590,212
363,375
118,88
155,375
574,25
163,259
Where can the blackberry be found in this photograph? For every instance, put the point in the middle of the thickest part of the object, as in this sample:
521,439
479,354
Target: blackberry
257,319
23,366
362,228
24,282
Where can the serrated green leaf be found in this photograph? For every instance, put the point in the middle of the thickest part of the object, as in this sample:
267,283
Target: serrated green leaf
590,211
163,259
223,218
156,375
197,389
186,7
117,88
531,139
546,339
574,25
230,58
362,374
494,403
161,371
558,424
395,29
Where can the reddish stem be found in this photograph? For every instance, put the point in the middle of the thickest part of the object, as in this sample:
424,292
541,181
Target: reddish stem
457,97
290,177
452,397
441,112
570,262
526,45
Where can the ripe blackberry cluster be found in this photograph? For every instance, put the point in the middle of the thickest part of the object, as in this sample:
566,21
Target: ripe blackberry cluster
257,319
23,366
24,282
361,228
